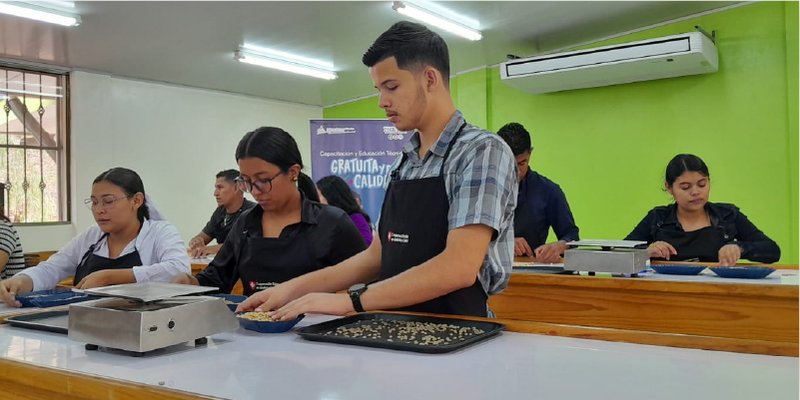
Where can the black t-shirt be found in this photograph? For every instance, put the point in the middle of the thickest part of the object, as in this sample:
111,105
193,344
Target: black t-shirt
220,223
332,238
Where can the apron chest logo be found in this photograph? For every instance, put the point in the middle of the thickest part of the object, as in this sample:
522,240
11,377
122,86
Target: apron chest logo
256,286
397,237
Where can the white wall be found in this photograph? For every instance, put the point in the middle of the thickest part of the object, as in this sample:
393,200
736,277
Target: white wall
176,138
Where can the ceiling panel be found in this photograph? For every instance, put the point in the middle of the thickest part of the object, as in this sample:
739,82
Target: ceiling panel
192,43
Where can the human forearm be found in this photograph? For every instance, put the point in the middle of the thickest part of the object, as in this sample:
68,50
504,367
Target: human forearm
755,244
107,277
199,240
766,251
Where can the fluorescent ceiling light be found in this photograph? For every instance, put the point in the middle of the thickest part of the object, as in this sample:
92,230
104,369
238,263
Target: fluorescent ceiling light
28,92
39,13
285,62
436,20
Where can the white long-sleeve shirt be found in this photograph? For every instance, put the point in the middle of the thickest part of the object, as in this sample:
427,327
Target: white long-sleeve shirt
160,247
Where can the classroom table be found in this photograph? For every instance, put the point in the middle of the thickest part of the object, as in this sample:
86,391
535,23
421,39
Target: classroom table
705,311
249,365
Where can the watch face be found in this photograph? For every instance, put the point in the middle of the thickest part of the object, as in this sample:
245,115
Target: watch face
358,288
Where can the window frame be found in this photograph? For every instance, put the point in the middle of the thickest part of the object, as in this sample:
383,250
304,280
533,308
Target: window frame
64,122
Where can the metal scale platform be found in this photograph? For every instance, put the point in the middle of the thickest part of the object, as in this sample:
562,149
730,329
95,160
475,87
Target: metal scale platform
141,317
625,257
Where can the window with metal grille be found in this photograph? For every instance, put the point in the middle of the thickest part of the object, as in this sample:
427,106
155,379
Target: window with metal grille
33,158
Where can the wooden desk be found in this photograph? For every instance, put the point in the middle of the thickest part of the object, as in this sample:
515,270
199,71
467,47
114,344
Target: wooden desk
719,314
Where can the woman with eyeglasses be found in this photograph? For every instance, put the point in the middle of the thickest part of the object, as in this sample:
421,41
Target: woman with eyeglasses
130,243
288,235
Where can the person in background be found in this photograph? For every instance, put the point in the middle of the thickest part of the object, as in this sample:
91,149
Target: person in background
11,258
358,198
541,204
334,191
230,205
287,235
131,242
446,239
694,229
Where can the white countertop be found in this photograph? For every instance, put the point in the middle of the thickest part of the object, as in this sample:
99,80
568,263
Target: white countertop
250,365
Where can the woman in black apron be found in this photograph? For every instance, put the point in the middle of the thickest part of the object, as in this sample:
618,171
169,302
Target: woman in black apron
694,229
130,243
287,235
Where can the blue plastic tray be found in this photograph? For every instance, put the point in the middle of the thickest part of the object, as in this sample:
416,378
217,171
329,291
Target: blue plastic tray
50,297
742,272
678,269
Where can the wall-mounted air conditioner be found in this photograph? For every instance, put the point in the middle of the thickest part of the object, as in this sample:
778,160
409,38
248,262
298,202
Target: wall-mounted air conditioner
666,57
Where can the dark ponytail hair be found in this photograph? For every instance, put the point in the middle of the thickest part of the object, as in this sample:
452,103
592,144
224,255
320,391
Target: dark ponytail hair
130,182
682,163
271,144
339,194
306,186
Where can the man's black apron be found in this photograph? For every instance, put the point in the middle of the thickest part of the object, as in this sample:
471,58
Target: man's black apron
265,262
413,229
91,262
700,245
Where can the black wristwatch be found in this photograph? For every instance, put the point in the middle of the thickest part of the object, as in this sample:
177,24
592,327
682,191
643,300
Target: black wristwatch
355,292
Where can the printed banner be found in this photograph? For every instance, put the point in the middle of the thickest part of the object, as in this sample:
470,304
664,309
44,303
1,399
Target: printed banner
358,151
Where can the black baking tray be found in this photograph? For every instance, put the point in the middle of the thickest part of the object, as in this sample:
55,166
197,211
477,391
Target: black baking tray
318,332
50,321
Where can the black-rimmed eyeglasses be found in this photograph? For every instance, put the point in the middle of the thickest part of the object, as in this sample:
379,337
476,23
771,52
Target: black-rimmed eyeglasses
263,185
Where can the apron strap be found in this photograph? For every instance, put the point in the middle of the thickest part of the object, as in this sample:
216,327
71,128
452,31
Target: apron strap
450,147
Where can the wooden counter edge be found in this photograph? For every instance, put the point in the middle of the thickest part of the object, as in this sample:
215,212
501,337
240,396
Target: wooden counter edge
23,380
524,259
750,346
740,289
736,345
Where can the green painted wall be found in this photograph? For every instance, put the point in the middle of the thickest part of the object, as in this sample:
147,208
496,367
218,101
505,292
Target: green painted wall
608,147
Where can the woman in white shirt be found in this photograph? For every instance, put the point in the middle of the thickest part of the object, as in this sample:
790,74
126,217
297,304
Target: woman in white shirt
130,243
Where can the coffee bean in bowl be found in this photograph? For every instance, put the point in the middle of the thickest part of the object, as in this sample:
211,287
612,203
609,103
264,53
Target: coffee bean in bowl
260,321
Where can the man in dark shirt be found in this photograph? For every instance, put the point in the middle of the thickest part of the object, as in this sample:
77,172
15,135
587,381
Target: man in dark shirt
540,204
230,204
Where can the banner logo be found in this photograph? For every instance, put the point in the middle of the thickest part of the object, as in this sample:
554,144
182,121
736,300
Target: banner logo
393,134
335,131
